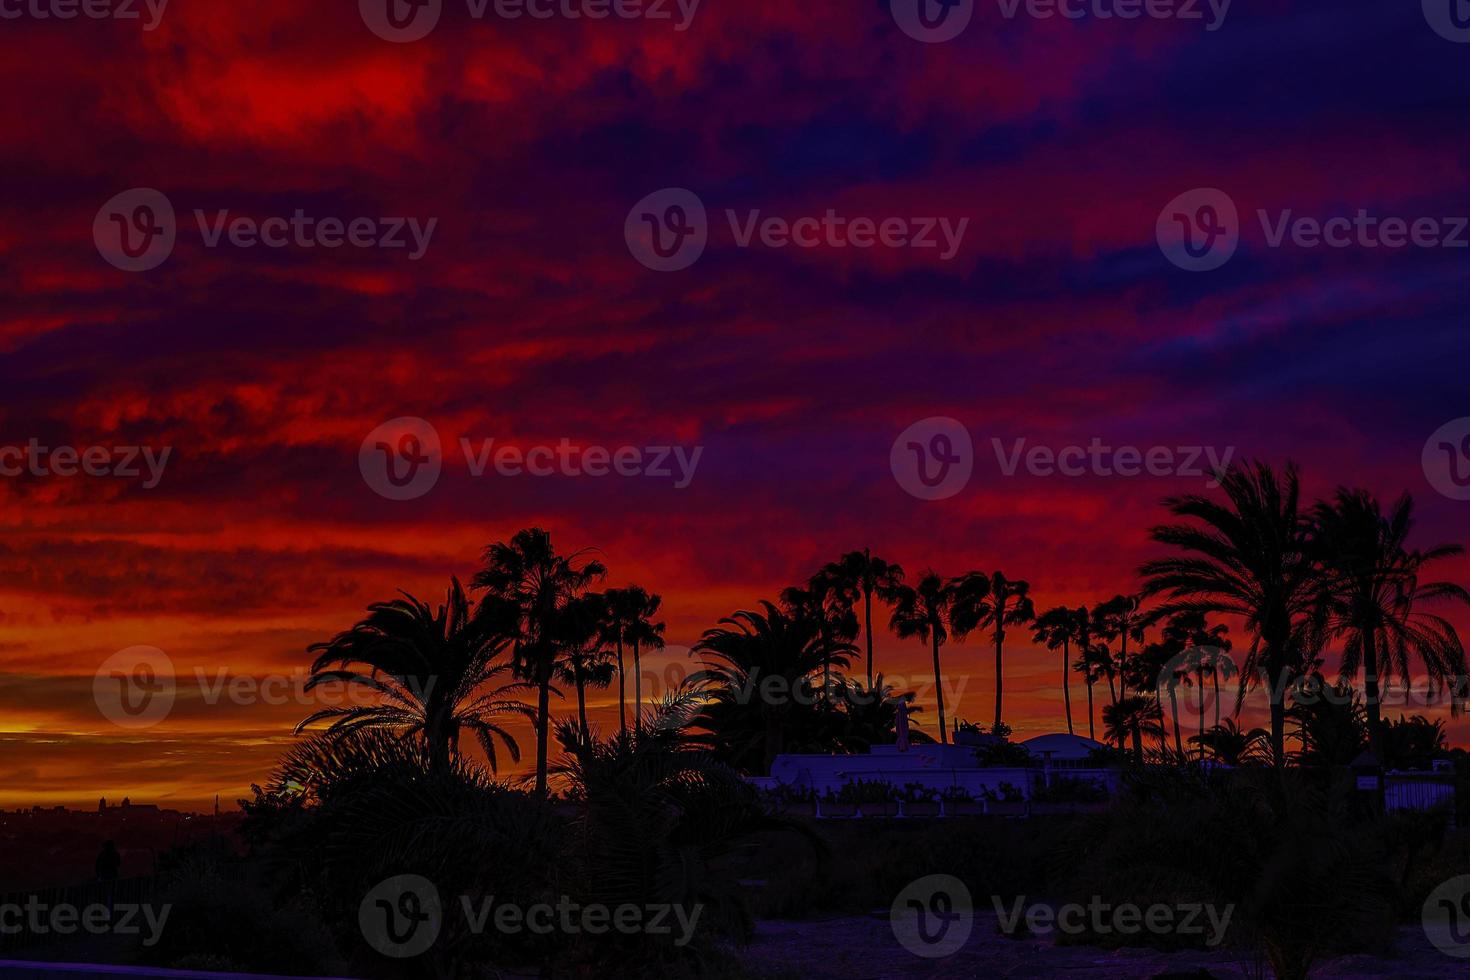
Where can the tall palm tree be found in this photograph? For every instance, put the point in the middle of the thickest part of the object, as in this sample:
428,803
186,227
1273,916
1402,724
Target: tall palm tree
1251,557
1133,717
1057,629
823,602
545,598
644,633
617,612
587,665
923,611
1375,598
1121,619
861,574
763,659
1091,663
436,671
994,602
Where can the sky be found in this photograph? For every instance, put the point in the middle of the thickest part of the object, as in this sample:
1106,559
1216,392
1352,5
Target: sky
503,177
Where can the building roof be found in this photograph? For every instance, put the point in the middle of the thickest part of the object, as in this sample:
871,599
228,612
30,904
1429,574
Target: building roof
1062,746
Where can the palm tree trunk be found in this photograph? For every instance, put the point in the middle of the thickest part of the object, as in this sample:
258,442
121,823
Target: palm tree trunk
582,705
939,692
999,642
543,723
1174,710
868,629
1200,686
1091,724
622,689
1066,683
1276,676
637,691
1138,742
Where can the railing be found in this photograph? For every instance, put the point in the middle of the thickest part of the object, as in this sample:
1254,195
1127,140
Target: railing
109,894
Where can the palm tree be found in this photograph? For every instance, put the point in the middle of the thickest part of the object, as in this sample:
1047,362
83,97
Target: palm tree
587,665
1092,665
765,659
823,602
436,672
1133,717
617,611
1057,629
1249,557
544,597
859,573
923,611
644,633
1374,598
1229,745
996,602
1120,619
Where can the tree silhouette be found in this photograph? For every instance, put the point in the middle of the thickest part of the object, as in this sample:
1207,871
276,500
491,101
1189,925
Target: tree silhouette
435,671
923,611
860,574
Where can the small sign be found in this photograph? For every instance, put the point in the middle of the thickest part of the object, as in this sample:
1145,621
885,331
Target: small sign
1369,783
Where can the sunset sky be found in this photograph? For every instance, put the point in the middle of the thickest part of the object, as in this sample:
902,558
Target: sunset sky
1058,320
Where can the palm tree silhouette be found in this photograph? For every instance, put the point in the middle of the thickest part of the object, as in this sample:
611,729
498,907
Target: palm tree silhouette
586,665
1056,629
770,655
823,601
1121,619
1373,597
860,574
1133,717
643,633
544,598
435,670
1229,745
923,611
995,602
1248,557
